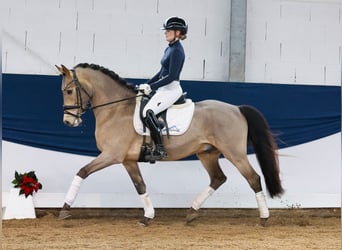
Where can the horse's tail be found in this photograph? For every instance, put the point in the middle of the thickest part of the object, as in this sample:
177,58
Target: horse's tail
260,135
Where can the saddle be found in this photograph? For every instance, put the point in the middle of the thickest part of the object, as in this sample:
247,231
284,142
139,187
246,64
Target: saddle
173,121
162,115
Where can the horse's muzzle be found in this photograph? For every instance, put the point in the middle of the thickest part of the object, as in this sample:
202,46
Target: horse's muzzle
72,121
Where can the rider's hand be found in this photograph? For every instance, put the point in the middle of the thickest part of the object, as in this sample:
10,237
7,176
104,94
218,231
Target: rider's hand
146,88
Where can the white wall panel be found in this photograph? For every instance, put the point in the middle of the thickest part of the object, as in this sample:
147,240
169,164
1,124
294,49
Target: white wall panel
13,4
298,40
89,20
325,53
315,35
43,19
256,71
119,22
136,54
263,9
325,13
278,32
193,65
333,36
38,39
294,52
333,74
216,68
109,5
9,58
106,43
280,73
84,4
141,8
23,53
261,51
218,20
41,4
295,11
257,30
129,30
178,7
67,48
317,73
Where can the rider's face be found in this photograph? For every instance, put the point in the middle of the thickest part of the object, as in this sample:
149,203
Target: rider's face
171,35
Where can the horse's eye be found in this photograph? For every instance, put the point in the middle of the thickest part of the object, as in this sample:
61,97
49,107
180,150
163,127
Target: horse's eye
69,91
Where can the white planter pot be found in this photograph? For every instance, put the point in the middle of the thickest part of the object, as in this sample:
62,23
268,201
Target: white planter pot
19,207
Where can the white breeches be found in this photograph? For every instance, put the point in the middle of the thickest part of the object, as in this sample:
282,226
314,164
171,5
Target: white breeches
164,97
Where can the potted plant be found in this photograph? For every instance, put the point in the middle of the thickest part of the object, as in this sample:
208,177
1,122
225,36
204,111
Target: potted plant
18,206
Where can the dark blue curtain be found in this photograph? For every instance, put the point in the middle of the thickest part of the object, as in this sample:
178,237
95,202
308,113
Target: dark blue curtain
32,111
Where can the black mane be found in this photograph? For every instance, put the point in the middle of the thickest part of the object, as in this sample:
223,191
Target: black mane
107,72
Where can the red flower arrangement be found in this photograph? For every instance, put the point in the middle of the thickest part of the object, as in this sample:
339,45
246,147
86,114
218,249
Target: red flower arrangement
27,182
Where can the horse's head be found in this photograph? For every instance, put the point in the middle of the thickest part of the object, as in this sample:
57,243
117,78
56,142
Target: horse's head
75,97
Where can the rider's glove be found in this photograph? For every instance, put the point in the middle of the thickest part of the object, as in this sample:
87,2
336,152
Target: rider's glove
145,88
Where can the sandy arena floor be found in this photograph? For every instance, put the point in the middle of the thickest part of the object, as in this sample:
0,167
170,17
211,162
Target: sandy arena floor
214,229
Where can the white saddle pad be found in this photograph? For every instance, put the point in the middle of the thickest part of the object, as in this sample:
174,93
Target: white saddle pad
178,118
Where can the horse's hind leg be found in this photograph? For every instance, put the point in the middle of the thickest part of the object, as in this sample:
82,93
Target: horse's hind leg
217,178
253,179
139,184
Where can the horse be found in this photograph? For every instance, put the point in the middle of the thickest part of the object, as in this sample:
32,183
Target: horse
217,128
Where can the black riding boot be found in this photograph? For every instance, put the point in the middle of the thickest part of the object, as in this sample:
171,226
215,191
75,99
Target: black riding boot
156,135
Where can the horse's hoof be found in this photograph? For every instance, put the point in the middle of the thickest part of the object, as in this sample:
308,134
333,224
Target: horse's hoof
192,215
64,214
263,222
144,221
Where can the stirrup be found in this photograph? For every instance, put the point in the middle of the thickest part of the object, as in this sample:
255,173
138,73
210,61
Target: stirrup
159,153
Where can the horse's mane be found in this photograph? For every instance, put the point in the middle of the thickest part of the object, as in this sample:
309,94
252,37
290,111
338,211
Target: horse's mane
107,72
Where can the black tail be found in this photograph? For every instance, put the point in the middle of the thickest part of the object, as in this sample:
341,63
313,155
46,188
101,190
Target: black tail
259,134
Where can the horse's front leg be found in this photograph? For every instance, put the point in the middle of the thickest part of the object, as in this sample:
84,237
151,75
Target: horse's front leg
102,161
139,184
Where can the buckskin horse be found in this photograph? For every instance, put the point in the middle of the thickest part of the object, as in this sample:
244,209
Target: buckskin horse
216,129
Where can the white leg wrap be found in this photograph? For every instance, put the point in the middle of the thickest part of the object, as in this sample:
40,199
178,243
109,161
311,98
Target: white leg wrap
148,207
261,201
200,199
73,190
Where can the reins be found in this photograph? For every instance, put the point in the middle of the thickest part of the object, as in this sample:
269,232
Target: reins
79,103
109,103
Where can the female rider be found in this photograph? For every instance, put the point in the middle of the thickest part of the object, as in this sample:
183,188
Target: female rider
165,86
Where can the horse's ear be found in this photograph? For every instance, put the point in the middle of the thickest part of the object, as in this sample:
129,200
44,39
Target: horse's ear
64,70
60,69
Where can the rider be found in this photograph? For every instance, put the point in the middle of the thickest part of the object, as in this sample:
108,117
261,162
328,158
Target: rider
165,86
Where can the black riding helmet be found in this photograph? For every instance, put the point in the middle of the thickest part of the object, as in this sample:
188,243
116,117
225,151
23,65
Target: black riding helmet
175,23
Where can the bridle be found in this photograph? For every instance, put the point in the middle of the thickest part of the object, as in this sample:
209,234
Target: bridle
81,109
79,101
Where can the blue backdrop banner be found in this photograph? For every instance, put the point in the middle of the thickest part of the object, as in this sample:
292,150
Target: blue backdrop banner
32,111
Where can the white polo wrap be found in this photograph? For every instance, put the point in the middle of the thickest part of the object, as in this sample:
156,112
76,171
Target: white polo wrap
148,207
200,199
261,201
73,190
